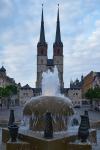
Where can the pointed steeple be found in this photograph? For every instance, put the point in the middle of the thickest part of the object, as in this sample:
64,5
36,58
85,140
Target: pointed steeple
42,32
58,34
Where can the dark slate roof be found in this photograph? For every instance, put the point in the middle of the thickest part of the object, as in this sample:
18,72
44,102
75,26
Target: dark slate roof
58,34
37,90
26,87
98,74
50,62
2,69
42,41
64,90
42,32
10,79
76,84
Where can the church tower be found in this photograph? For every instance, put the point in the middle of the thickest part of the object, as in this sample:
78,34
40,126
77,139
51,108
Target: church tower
43,63
58,52
41,53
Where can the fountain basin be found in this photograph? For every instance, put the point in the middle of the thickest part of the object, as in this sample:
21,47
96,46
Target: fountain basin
60,108
59,142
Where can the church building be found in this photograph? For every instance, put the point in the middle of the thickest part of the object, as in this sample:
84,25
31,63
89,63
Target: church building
43,62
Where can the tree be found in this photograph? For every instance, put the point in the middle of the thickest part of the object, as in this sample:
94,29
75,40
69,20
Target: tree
1,94
97,92
8,92
93,94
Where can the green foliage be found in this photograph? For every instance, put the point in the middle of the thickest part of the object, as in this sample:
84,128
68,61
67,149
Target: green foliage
1,90
10,90
7,92
93,93
97,92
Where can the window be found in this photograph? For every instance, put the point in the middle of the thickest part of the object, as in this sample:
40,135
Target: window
25,94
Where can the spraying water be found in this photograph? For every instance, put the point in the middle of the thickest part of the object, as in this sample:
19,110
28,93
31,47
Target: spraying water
50,83
50,101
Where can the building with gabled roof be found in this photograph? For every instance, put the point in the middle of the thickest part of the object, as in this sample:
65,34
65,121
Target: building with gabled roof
4,79
91,80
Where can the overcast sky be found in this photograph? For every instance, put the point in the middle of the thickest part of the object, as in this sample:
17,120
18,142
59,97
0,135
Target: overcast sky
19,34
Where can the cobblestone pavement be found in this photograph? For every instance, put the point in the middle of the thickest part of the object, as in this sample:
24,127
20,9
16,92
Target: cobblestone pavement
4,113
93,115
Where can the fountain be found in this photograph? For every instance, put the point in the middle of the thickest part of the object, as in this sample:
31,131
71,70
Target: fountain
47,120
50,101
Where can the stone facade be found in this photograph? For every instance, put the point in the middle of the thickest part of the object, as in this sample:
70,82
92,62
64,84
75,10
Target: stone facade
43,63
96,81
26,92
4,79
75,95
75,92
91,80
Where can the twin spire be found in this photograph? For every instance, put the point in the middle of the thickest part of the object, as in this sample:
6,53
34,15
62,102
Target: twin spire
42,31
58,35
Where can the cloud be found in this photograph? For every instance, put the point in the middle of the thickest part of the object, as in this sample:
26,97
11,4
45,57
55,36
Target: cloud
84,55
17,58
6,7
19,34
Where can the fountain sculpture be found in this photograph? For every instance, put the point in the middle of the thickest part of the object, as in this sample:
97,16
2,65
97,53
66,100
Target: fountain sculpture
48,118
50,101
